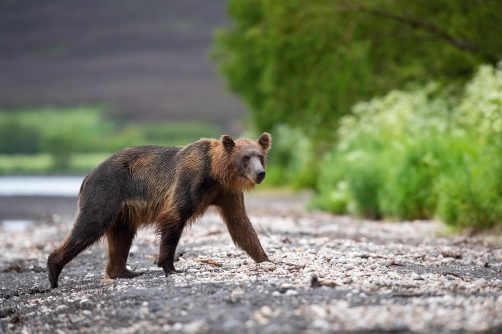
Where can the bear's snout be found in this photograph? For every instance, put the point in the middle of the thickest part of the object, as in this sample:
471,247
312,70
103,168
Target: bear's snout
256,172
260,176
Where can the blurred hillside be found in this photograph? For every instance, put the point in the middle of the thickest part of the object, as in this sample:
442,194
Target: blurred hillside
148,60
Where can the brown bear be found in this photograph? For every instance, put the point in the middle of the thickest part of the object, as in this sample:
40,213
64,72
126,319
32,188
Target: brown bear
170,186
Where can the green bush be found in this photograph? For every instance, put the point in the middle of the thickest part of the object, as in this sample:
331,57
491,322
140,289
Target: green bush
179,133
43,163
419,155
292,160
16,138
86,124
165,133
352,182
64,132
61,146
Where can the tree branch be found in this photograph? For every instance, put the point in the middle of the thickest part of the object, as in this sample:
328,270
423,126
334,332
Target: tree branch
415,23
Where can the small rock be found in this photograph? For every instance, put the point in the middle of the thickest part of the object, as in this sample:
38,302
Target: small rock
107,281
262,320
229,324
6,312
266,311
321,324
196,326
177,326
241,276
237,293
318,311
416,277
60,308
314,282
477,284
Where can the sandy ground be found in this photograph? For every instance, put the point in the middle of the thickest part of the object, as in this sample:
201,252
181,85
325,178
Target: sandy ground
329,274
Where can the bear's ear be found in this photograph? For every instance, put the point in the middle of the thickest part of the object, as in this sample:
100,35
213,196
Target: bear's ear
264,141
228,143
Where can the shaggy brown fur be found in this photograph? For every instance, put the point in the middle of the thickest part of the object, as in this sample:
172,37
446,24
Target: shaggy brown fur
167,186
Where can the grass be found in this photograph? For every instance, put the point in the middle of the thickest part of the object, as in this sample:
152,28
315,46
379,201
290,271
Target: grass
43,164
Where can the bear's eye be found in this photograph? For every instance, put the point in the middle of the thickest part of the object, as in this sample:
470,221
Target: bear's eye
246,158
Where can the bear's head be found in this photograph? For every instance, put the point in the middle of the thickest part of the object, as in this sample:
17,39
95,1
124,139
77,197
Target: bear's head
248,157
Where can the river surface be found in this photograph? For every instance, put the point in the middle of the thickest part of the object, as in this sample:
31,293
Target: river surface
25,200
67,186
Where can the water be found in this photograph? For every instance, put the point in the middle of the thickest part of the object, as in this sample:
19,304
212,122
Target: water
16,224
65,186
40,185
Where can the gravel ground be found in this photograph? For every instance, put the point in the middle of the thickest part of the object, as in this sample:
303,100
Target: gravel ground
329,274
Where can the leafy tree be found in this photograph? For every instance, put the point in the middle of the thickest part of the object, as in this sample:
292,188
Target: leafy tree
306,62
17,138
61,146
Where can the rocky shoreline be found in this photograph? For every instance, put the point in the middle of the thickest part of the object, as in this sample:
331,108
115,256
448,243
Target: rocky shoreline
329,274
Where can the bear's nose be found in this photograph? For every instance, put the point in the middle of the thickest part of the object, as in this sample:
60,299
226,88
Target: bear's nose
261,174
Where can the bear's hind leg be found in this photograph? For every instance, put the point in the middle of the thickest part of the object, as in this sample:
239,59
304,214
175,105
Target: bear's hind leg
80,238
120,236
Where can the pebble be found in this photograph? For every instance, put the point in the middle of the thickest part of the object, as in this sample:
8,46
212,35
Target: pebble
416,277
177,326
266,311
360,288
237,293
321,324
241,276
318,311
60,308
229,324
196,327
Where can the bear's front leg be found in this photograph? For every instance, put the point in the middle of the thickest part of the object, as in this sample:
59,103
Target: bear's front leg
170,231
233,212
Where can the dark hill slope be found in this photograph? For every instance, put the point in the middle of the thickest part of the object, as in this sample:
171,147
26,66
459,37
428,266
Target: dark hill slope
147,59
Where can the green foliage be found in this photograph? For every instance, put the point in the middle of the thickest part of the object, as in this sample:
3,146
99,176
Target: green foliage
60,146
25,164
179,133
18,138
292,161
420,154
43,163
472,195
167,133
85,124
350,184
305,63
68,131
